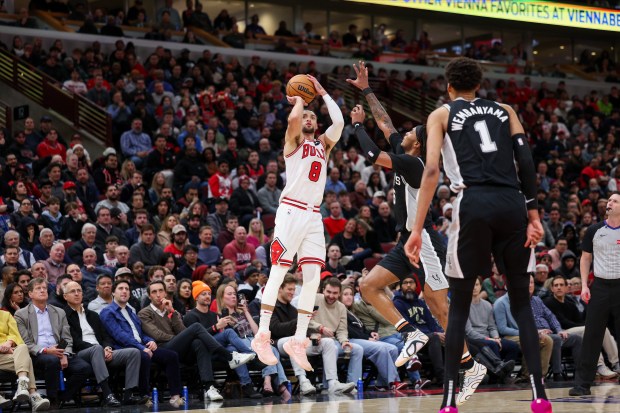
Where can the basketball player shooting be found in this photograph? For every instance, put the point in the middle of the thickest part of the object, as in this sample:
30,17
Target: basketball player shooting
407,162
495,213
299,227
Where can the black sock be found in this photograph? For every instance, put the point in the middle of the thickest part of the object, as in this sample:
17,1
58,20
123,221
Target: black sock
467,361
460,292
404,327
521,309
105,388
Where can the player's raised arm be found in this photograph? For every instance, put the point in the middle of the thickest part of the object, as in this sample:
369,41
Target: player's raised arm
378,111
370,149
293,131
334,132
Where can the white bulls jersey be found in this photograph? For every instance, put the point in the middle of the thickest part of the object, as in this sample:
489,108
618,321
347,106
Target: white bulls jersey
306,173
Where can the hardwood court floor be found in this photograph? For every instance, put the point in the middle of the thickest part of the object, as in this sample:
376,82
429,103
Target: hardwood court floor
605,398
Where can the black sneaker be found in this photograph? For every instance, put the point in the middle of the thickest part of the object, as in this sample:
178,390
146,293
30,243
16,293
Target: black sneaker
110,401
250,393
579,391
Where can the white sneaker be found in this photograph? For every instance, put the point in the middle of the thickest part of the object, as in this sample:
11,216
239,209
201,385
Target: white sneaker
414,342
337,387
306,388
213,395
38,403
4,402
239,359
616,368
471,381
22,395
605,372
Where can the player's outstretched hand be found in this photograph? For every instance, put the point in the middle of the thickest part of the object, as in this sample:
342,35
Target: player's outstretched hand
361,82
319,89
357,114
413,247
294,99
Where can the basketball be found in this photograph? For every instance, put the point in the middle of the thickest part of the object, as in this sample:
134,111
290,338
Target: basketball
301,86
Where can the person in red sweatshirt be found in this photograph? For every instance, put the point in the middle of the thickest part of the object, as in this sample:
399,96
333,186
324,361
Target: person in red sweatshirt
50,146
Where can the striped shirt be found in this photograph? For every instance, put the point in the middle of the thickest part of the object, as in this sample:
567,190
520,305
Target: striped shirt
543,317
603,241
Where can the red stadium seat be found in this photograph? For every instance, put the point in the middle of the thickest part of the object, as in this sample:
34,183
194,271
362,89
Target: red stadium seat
369,263
387,247
269,221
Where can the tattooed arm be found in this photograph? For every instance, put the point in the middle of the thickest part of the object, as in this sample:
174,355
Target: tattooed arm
378,111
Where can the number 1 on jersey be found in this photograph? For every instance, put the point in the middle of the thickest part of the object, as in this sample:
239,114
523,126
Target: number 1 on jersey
315,171
487,144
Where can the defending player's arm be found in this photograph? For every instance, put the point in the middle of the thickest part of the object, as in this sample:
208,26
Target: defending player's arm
378,111
334,132
527,176
435,127
369,147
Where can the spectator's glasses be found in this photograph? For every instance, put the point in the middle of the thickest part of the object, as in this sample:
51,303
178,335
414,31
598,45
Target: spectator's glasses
75,291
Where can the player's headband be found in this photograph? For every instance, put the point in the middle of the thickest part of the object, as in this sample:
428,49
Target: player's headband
420,133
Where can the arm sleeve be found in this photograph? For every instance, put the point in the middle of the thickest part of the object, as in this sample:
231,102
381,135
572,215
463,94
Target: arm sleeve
334,132
370,149
527,171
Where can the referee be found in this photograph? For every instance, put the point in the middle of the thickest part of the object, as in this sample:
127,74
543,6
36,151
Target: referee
601,243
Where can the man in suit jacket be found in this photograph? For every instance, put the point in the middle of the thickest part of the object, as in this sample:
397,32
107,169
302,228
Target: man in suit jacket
45,331
93,344
125,328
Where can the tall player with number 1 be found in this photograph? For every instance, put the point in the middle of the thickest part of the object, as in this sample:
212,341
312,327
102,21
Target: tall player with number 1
299,227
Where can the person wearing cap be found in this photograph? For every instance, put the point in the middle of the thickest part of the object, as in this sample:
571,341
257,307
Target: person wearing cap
146,251
191,262
218,328
179,240
192,344
250,286
239,250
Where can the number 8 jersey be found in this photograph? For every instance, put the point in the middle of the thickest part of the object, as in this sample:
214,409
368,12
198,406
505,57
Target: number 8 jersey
306,173
476,150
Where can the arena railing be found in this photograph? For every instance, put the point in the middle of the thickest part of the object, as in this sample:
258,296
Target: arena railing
48,93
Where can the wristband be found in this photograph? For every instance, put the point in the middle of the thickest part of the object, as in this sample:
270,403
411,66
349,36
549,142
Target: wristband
367,91
357,125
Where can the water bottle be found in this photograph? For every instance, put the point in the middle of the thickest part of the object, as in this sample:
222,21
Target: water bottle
289,387
62,381
155,396
360,386
185,394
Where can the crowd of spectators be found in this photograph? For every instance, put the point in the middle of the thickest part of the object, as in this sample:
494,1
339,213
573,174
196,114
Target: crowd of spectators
189,190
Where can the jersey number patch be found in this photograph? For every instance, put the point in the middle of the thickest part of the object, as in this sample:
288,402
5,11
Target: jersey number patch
315,171
487,144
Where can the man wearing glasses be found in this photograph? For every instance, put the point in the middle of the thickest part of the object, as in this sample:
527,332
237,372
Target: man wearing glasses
92,344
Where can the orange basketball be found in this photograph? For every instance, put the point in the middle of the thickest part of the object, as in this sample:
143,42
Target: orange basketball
301,86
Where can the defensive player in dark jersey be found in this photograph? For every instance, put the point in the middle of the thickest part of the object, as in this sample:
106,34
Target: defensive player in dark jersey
408,164
495,213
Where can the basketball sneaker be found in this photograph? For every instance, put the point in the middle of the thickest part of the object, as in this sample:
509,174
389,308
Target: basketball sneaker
414,342
541,406
449,409
471,379
262,347
296,350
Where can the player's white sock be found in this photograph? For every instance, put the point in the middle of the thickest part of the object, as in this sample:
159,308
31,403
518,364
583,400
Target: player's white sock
270,294
307,297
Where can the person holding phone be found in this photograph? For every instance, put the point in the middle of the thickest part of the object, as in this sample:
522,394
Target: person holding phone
242,322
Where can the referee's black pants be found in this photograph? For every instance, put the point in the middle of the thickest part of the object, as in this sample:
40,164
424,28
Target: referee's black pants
604,300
